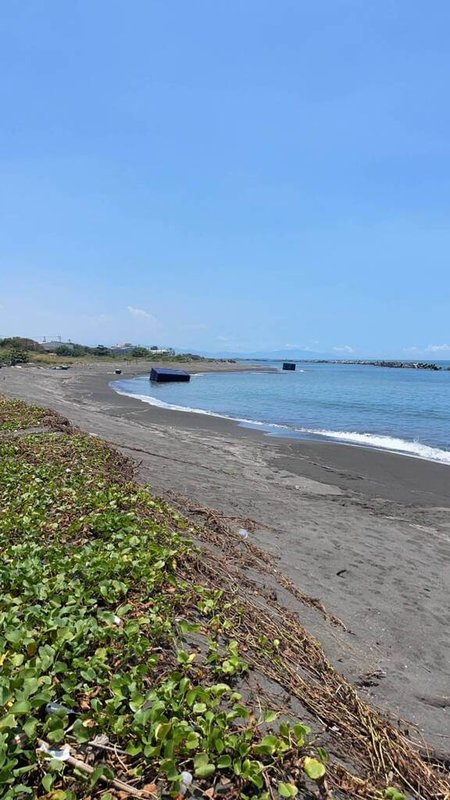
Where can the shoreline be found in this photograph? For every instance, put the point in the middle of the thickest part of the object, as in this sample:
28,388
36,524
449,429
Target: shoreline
366,531
284,431
374,471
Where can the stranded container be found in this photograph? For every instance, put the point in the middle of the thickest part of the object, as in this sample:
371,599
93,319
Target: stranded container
160,375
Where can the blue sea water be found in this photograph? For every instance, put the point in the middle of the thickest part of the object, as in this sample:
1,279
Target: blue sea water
404,410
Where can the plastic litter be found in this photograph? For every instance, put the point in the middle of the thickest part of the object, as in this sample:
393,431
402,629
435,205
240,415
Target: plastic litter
60,754
186,780
243,532
20,737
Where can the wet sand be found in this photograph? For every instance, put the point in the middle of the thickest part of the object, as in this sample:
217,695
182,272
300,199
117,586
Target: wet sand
367,532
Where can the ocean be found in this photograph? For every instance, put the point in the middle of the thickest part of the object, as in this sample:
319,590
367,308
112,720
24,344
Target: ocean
403,410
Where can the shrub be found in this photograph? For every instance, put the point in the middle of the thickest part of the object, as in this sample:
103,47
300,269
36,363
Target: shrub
100,350
20,343
140,352
13,356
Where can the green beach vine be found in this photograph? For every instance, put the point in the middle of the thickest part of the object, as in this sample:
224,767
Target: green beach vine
117,669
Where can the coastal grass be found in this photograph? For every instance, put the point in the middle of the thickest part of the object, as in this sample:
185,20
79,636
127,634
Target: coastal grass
129,655
15,415
95,612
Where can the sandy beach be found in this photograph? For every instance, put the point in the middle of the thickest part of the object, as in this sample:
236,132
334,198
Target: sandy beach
367,532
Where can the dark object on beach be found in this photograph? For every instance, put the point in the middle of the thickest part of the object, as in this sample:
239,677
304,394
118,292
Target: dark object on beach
160,375
370,679
118,371
289,365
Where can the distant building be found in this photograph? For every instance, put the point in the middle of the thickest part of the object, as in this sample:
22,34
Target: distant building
51,347
122,349
126,348
160,350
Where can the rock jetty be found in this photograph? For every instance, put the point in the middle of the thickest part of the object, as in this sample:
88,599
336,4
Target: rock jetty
391,364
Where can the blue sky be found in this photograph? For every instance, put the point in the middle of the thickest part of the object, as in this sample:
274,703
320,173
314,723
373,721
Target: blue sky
227,175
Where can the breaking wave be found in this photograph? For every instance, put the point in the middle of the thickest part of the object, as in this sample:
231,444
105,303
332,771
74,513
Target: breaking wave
392,443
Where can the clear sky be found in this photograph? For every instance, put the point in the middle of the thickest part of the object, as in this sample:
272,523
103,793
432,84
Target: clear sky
227,174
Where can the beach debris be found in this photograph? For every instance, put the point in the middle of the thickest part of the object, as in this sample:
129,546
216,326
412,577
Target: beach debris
64,754
336,730
243,532
163,375
186,780
341,572
20,737
118,371
59,754
370,679
117,620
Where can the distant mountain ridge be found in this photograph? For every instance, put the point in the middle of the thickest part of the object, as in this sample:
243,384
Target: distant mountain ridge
305,355
275,355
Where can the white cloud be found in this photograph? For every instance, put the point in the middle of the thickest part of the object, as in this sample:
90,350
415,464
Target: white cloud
432,348
224,338
438,348
301,347
140,313
345,348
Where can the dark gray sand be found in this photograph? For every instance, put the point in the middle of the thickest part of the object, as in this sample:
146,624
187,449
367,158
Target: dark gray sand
365,531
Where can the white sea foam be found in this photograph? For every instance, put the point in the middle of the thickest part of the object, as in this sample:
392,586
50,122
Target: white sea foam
402,446
377,441
154,401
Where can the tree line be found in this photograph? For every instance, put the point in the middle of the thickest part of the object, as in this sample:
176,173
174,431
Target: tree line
18,350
